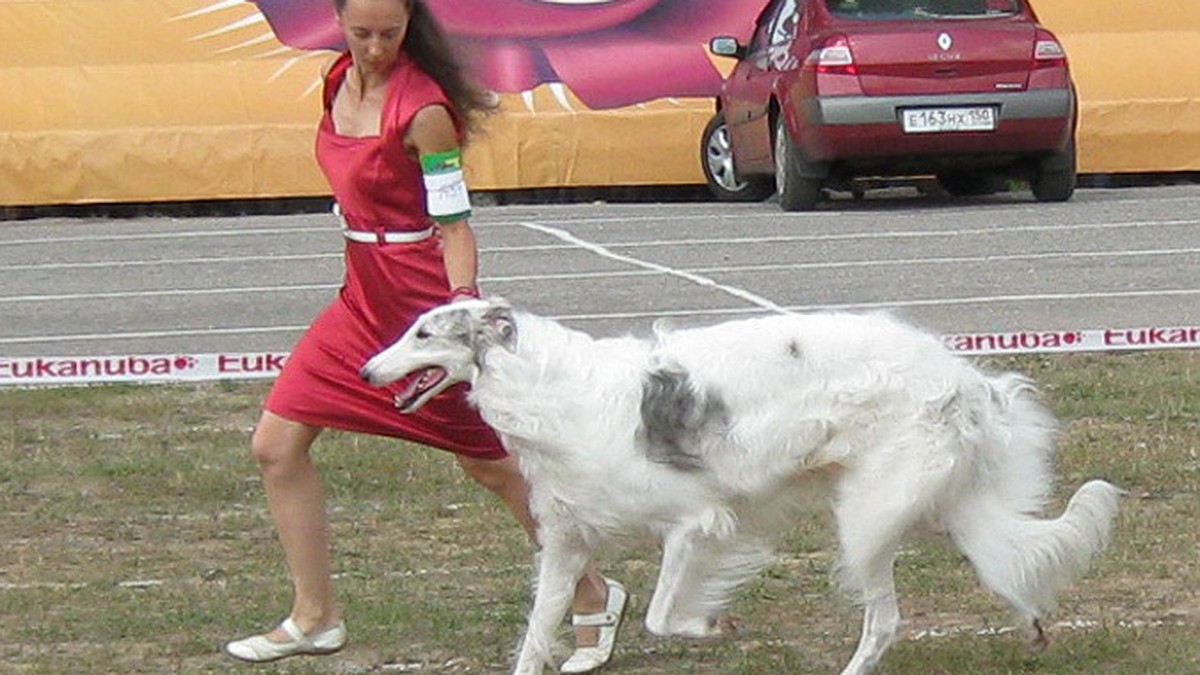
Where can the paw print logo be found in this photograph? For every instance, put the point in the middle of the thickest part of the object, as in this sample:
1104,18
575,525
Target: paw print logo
184,363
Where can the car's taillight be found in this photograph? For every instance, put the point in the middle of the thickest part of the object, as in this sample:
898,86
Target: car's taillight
834,57
1048,52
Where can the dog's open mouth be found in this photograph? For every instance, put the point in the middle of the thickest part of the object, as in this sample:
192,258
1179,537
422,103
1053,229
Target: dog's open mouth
421,387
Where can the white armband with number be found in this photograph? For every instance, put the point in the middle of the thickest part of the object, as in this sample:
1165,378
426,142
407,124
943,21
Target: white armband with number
446,193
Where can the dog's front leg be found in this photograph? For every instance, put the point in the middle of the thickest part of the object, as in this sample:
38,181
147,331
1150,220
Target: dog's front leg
675,609
705,558
678,545
559,567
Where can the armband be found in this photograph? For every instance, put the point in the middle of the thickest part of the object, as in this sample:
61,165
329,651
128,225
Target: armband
445,191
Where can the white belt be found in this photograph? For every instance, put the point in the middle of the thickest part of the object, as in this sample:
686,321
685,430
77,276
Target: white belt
365,237
369,237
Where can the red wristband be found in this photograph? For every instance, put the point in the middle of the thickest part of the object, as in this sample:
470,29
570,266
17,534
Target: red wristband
469,291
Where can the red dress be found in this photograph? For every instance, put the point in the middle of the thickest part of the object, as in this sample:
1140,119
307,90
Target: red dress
379,187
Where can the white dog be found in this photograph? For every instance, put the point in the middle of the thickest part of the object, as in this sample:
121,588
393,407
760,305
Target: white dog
704,438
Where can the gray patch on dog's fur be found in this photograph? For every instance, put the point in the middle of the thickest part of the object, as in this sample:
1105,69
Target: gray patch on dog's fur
793,349
675,417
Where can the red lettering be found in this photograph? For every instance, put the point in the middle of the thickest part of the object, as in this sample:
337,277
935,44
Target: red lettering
227,364
275,362
113,367
250,363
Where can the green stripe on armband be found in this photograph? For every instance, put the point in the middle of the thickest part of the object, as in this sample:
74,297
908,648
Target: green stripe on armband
442,162
447,198
451,217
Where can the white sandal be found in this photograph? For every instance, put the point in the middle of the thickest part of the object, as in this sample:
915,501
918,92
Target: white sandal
587,659
260,649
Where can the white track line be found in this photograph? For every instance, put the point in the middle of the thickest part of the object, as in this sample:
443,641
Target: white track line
684,313
185,292
697,279
851,264
869,234
93,337
644,269
174,262
889,304
193,234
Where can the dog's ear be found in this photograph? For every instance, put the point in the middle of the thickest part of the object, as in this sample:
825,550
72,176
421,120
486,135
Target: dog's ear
500,328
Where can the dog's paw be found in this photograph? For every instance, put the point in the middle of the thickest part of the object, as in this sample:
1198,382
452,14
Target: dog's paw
703,628
1039,638
727,625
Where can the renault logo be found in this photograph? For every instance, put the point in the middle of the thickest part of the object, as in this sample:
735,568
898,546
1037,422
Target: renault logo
945,41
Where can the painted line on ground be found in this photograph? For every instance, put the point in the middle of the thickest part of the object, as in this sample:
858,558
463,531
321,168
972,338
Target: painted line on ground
888,304
697,279
606,316
643,269
170,262
189,234
988,257
839,236
184,292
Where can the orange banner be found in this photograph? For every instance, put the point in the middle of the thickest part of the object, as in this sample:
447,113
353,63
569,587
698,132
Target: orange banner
131,101
1134,66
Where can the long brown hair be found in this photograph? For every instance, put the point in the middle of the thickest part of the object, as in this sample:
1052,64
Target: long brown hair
429,47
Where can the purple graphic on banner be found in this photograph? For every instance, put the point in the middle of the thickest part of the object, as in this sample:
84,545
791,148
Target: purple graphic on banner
611,53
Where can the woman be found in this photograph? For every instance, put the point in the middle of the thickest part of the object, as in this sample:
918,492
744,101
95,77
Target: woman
396,108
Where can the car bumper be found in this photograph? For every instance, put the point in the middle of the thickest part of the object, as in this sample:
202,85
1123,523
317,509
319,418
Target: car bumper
857,127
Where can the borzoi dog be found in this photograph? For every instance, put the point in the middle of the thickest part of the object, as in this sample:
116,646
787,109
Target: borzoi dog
705,437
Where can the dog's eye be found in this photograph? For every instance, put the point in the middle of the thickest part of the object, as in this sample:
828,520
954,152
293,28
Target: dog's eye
422,334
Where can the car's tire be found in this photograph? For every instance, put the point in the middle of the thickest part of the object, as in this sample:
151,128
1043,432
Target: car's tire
1055,177
716,156
968,183
797,181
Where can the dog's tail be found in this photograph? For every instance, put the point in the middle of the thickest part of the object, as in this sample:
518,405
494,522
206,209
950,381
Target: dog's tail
1022,557
1027,560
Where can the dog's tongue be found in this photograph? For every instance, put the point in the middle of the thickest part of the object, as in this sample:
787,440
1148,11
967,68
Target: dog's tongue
422,382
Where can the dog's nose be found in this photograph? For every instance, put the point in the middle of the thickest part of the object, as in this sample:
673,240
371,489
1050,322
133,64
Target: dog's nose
365,374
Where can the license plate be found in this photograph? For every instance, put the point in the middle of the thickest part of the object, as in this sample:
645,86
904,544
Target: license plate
940,120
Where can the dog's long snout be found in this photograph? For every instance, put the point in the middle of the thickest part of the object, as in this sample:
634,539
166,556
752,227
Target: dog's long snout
370,373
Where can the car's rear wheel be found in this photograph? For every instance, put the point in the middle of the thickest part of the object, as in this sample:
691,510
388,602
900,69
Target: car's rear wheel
716,156
1055,177
797,181
968,183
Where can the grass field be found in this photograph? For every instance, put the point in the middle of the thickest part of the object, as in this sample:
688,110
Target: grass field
135,540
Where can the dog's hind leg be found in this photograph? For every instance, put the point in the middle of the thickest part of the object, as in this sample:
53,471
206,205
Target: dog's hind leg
881,621
559,567
875,506
869,542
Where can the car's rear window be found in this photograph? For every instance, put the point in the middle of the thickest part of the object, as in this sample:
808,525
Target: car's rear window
921,9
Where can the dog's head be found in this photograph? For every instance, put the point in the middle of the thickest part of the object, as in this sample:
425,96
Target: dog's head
444,346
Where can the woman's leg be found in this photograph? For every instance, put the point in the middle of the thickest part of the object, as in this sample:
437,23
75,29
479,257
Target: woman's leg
296,499
503,477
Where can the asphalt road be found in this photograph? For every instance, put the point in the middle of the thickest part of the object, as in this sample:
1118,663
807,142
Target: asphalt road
1109,258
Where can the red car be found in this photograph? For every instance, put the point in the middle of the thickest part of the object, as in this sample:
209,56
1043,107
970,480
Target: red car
830,91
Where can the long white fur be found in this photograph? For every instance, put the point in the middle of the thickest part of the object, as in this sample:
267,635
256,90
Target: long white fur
873,415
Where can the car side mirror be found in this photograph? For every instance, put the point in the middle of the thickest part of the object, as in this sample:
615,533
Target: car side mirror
726,46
